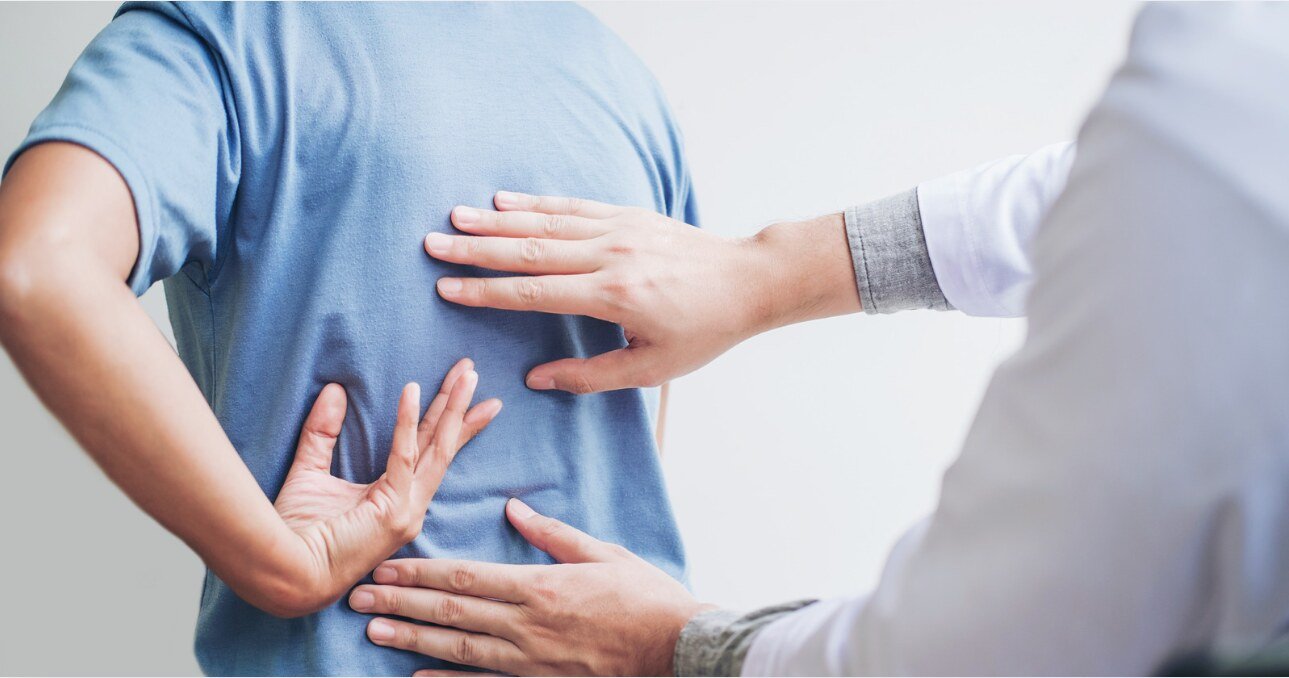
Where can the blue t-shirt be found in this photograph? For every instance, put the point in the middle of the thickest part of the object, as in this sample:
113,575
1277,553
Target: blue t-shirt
286,161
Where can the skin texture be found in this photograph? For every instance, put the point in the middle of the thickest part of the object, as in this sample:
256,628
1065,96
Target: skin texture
683,296
601,611
68,240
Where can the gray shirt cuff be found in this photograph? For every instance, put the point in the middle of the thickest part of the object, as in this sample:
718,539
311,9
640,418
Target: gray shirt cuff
892,264
714,643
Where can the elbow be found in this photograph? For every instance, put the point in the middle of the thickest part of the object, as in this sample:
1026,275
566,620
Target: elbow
289,607
19,285
287,596
288,600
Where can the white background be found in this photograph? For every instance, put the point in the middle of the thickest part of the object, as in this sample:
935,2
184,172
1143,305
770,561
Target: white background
795,460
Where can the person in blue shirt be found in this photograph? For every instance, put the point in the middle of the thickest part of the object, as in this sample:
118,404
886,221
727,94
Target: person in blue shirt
278,166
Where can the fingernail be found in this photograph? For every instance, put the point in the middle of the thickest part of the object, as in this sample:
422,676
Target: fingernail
385,575
437,243
449,287
506,199
521,510
464,216
540,383
362,601
379,630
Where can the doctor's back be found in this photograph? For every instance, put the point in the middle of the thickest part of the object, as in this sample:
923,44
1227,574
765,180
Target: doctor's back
286,162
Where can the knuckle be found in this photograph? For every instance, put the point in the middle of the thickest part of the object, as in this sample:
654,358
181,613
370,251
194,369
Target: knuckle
412,529
581,385
391,518
448,611
470,247
409,639
531,250
552,225
552,529
575,205
465,650
622,246
615,285
544,588
530,291
621,290
462,578
393,603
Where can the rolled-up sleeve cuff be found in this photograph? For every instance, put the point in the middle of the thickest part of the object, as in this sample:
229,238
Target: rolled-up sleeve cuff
892,264
715,643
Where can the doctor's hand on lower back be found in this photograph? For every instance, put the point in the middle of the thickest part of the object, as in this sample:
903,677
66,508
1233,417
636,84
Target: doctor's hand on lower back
348,528
682,295
601,611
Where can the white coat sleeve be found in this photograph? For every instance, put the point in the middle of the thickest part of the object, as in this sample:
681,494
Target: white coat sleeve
979,225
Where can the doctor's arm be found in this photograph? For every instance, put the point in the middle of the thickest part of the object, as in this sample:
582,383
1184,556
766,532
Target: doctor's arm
684,296
69,321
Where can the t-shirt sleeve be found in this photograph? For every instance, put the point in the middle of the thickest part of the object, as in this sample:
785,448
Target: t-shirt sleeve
147,96
688,208
682,205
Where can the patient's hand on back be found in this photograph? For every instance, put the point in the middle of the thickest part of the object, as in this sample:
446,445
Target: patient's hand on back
343,522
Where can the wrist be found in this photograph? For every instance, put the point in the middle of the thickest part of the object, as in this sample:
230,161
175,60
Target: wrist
800,271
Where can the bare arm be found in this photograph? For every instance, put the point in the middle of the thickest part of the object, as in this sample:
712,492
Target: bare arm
68,240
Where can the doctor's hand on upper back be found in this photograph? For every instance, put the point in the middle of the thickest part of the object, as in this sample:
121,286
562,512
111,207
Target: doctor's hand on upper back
683,296
347,528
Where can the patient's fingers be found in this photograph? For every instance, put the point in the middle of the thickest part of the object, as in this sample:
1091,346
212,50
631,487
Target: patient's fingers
401,466
527,224
434,461
518,255
552,294
320,430
477,419
549,204
425,432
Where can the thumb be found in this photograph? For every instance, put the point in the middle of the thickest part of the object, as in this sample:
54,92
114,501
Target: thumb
623,368
564,543
320,430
